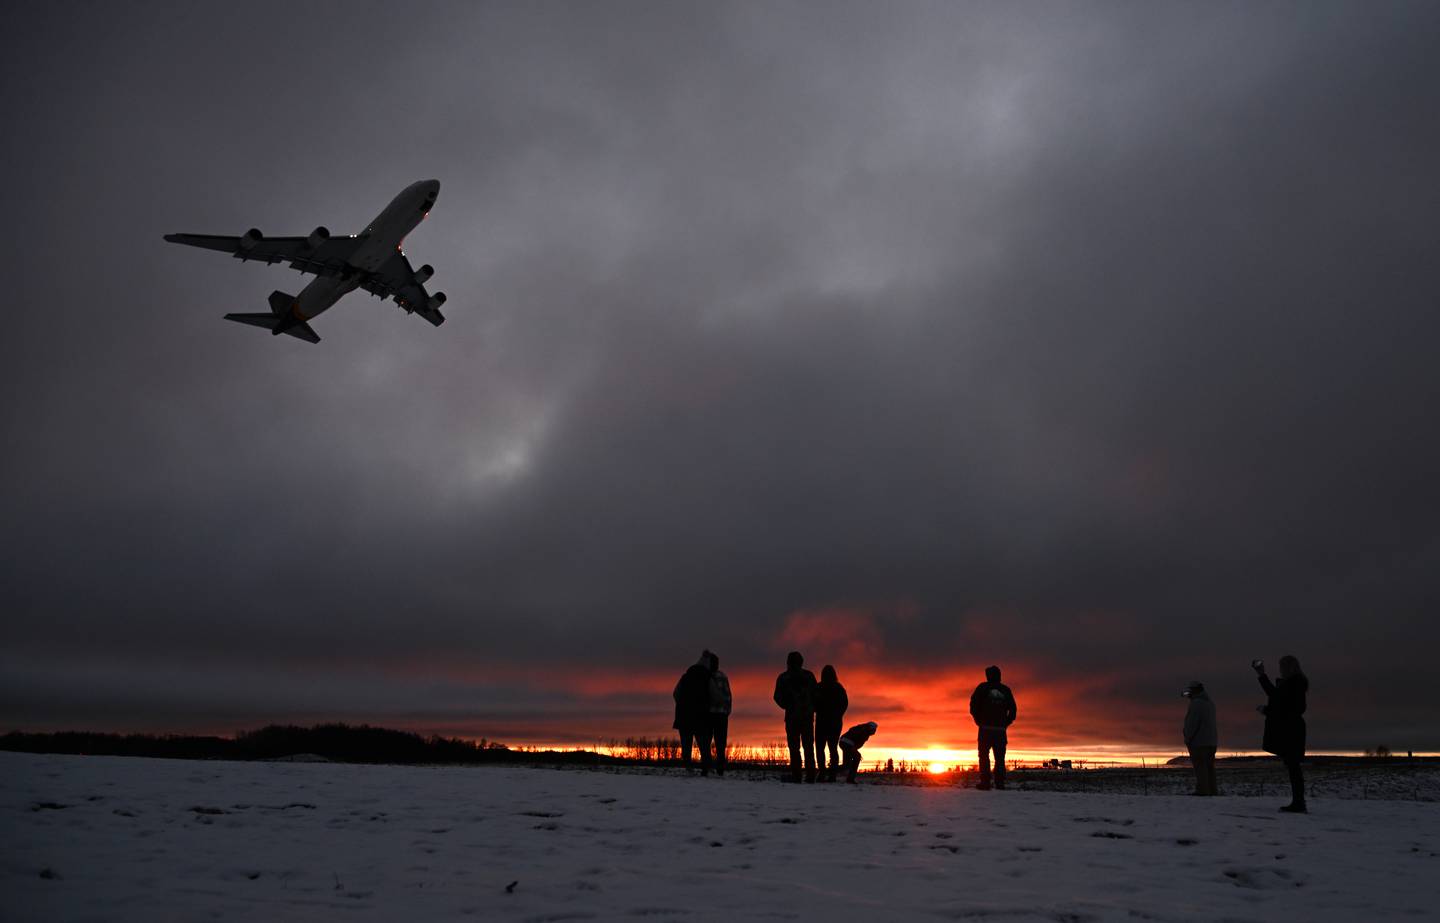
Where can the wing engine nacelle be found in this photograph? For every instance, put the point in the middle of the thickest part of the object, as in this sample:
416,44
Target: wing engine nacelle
249,239
423,274
317,237
436,300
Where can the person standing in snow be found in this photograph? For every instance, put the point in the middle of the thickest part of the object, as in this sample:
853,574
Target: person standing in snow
851,742
992,706
1285,723
1202,737
717,727
830,705
795,692
692,709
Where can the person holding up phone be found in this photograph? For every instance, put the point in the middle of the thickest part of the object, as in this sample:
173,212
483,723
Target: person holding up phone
1284,713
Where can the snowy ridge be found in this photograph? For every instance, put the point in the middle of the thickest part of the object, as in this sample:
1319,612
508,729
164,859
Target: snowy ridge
115,838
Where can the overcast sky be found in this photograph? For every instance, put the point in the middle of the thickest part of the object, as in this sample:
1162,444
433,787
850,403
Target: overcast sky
1095,340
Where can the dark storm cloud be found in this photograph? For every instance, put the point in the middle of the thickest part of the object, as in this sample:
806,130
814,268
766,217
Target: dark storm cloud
1092,338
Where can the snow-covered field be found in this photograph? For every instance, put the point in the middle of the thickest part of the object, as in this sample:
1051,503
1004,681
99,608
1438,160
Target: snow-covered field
113,838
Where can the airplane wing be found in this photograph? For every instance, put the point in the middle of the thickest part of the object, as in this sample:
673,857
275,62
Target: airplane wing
325,258
396,279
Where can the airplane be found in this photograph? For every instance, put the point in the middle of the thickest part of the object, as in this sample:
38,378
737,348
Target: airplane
371,260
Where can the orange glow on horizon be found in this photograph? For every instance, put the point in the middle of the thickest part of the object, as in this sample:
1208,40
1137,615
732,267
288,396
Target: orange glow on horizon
922,709
922,712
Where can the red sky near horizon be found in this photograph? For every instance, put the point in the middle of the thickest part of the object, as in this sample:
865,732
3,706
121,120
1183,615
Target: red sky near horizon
916,706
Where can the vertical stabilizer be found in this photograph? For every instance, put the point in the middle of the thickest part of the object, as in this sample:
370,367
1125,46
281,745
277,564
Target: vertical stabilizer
281,303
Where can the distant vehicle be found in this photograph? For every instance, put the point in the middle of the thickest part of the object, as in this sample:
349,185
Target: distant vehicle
371,260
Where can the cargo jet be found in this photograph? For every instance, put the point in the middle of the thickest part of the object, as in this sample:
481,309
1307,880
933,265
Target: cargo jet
371,260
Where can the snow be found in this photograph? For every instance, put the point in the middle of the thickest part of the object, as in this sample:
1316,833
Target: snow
1355,779
114,838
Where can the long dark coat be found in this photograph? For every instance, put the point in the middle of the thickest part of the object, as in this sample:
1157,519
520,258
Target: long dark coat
692,699
1284,721
830,704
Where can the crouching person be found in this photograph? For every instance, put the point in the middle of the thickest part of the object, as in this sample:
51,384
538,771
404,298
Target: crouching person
851,742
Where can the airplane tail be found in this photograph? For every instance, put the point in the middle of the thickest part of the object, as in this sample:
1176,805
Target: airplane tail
279,320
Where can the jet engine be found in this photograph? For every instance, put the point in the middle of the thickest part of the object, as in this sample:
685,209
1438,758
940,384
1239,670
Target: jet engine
436,300
423,274
250,238
317,237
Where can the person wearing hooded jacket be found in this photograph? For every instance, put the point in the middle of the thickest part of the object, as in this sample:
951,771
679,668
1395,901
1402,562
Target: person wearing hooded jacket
692,709
1201,737
992,706
830,704
851,742
1284,713
795,692
718,726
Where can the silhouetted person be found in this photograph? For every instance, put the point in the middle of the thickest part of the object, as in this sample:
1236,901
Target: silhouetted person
992,705
851,743
795,692
1202,737
692,709
830,705
717,727
1285,723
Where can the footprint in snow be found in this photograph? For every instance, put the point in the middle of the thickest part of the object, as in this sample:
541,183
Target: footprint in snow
1265,879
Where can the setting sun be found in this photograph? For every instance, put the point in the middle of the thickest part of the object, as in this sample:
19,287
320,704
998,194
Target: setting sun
937,768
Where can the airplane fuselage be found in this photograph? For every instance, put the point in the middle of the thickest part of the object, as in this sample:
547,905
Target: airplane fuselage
379,241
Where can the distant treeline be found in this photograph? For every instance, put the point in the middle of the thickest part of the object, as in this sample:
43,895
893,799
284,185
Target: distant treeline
665,751
365,744
339,742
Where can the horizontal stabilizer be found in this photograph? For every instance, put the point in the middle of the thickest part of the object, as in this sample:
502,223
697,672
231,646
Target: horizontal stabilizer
303,331
268,321
298,329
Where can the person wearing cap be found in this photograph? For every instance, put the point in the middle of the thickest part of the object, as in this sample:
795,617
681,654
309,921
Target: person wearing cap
851,742
1202,737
